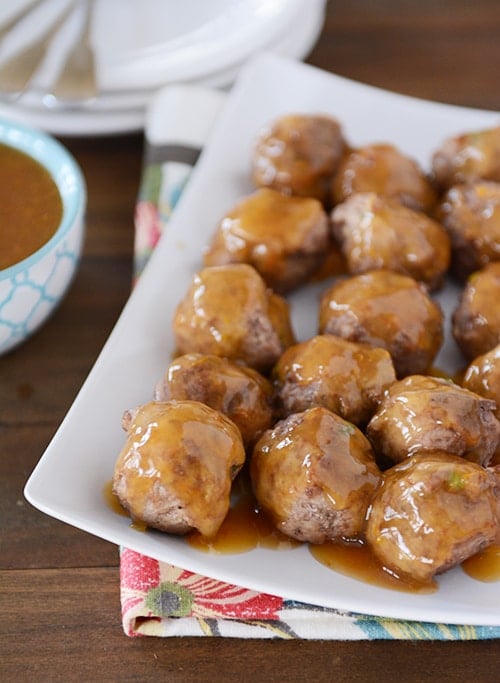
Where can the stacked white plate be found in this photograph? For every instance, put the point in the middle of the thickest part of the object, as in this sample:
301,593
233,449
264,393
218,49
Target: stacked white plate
141,46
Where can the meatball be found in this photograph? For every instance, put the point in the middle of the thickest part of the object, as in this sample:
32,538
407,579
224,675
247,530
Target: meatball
175,470
239,392
420,413
314,474
387,309
468,157
476,318
299,154
228,311
379,232
430,513
385,170
284,238
482,376
471,215
346,377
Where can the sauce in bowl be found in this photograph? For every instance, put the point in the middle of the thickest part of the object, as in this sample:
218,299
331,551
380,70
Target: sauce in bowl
30,206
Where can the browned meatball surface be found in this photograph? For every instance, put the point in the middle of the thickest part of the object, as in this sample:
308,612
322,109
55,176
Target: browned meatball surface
284,238
228,311
346,377
471,215
241,393
314,474
482,376
175,470
476,318
299,154
386,309
422,413
468,157
385,170
431,513
378,232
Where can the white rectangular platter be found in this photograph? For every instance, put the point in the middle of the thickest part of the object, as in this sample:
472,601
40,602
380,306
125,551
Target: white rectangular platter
69,480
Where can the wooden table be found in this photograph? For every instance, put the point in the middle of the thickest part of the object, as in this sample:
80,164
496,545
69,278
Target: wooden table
59,590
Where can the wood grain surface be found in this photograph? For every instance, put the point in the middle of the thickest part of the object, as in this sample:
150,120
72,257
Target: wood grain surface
59,587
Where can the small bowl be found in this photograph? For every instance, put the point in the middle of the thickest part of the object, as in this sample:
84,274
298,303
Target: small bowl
31,289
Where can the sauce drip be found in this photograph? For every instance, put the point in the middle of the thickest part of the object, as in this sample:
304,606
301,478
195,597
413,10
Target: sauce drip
244,528
114,504
247,527
355,559
485,566
30,206
112,500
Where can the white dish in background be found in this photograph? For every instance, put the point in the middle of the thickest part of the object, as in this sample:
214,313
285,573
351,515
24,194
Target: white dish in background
69,480
168,41
153,43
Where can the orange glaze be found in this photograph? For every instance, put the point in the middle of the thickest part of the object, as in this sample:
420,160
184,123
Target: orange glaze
30,206
333,265
237,391
114,504
471,213
186,447
478,301
246,527
456,377
485,566
380,232
269,230
204,323
316,456
298,155
112,500
384,169
434,371
468,157
355,559
374,307
269,214
346,377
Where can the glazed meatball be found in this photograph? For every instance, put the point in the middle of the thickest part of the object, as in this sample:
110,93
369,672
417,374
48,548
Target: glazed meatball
476,318
420,413
333,265
346,377
228,311
482,376
387,309
431,513
468,157
379,232
284,238
175,470
314,475
237,391
299,154
385,170
471,215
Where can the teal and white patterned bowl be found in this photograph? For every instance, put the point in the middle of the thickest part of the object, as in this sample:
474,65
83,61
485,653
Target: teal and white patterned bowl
31,289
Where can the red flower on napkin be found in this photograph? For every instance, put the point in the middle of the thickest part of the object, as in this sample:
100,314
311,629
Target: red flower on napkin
168,591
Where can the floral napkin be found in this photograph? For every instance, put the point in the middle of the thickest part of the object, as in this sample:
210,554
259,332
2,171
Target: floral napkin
157,598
